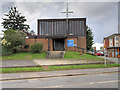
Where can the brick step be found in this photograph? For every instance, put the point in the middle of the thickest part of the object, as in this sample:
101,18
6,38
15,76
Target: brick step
55,54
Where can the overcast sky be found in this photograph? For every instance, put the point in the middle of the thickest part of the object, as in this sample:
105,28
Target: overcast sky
102,17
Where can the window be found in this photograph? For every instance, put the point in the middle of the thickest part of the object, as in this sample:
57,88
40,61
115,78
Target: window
116,45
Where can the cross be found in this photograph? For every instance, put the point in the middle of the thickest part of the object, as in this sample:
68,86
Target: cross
67,12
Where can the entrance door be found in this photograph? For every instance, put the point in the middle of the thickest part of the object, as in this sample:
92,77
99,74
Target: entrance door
58,44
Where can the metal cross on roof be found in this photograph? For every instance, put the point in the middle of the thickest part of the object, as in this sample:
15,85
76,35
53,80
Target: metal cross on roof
67,12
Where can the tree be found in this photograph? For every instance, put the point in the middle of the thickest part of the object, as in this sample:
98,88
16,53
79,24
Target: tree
13,39
89,38
14,20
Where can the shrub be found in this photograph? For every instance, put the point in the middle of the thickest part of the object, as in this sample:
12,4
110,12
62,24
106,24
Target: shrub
5,52
36,48
15,49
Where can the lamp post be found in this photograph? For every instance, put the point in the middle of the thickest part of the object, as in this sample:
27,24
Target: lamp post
35,38
118,25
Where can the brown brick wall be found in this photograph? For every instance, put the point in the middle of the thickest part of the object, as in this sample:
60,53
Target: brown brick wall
43,41
51,45
80,42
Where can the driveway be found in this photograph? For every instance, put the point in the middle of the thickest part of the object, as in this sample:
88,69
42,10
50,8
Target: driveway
116,60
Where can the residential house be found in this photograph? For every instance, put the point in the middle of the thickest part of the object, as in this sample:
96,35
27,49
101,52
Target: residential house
111,44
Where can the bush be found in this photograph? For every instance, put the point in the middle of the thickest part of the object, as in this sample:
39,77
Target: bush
36,48
15,49
5,52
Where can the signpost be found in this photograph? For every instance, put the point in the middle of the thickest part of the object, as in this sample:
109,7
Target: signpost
105,56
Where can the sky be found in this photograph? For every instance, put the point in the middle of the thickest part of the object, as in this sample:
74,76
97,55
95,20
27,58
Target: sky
102,17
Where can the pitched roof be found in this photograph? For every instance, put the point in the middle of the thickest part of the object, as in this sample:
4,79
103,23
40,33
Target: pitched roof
111,35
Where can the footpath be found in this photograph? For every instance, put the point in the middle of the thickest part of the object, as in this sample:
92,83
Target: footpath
42,62
49,74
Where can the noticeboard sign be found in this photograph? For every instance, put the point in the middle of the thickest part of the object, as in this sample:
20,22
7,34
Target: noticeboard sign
70,43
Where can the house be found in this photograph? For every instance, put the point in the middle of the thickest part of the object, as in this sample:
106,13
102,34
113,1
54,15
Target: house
58,35
111,44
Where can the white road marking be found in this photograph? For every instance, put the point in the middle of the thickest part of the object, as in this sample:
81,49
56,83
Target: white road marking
103,82
54,86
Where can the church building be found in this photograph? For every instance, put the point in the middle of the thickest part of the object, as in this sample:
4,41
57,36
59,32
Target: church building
60,34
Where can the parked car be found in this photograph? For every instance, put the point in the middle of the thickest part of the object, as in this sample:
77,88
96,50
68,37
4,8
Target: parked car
99,53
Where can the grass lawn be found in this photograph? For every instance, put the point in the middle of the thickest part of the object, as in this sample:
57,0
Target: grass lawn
55,68
42,55
25,55
77,55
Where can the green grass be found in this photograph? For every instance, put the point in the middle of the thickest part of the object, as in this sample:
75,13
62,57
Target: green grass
77,55
42,55
25,55
55,68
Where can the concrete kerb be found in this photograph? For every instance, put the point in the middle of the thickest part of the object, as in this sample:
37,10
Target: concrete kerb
57,65
50,74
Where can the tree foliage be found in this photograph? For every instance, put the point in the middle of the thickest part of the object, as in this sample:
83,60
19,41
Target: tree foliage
89,38
13,39
14,20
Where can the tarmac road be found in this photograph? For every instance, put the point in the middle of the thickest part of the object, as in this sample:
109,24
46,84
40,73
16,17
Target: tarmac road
106,80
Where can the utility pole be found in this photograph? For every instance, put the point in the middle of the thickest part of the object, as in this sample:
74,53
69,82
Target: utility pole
67,12
118,29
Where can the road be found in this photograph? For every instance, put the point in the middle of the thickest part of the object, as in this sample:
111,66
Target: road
108,80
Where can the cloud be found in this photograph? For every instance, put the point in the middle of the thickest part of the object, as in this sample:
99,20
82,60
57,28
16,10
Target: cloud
101,17
97,45
37,10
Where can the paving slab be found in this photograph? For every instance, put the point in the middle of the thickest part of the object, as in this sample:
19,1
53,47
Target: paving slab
63,62
40,62
13,63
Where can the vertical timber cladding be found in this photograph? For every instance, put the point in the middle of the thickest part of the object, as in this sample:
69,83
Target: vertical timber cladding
76,26
57,28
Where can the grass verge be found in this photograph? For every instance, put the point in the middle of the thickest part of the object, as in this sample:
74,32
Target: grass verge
25,55
42,55
55,68
78,55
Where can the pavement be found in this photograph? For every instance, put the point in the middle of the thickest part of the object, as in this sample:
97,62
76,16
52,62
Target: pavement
108,81
40,62
49,74
116,60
